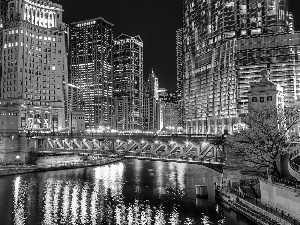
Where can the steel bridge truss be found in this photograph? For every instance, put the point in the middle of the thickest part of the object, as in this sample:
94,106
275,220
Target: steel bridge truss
199,150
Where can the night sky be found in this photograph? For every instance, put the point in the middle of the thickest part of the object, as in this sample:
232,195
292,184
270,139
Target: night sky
156,21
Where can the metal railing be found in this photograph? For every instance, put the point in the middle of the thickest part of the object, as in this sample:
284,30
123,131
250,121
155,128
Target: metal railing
289,183
264,206
108,134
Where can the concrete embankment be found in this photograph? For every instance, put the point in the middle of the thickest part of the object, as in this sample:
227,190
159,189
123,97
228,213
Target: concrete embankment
14,170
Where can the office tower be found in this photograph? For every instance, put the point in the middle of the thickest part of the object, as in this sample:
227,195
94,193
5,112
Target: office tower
91,69
3,11
179,60
168,109
128,81
75,101
180,75
122,110
34,64
226,46
150,100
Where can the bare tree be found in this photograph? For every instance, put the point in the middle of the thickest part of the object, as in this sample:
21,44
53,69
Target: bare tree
263,136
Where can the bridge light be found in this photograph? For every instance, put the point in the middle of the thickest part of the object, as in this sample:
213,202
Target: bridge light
156,142
94,140
118,140
49,139
56,139
187,143
84,139
129,141
142,141
74,139
172,142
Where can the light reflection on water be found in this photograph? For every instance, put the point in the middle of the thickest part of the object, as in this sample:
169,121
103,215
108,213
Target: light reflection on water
130,192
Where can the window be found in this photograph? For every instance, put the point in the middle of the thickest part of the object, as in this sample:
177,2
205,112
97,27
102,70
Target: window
269,98
254,99
262,99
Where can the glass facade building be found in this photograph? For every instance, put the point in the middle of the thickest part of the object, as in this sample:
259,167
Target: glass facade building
179,60
128,81
91,69
226,45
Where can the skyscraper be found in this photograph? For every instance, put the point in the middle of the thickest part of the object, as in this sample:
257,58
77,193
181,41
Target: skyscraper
168,110
91,44
128,81
34,63
180,76
150,114
179,60
226,45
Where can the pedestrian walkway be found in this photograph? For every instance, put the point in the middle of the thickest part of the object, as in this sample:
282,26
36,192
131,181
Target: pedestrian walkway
253,208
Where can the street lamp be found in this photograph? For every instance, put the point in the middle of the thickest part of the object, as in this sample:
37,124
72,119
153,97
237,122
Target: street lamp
71,123
17,158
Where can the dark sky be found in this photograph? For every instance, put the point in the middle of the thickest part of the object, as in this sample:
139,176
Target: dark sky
156,21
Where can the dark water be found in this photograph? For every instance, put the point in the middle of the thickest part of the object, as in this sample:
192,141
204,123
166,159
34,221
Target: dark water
128,192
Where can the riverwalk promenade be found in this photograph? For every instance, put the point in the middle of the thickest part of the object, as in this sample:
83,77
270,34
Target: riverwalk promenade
20,169
253,208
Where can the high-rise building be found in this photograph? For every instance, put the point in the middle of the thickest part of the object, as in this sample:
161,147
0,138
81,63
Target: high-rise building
3,11
168,112
179,60
91,59
150,100
226,45
128,81
180,76
75,101
34,63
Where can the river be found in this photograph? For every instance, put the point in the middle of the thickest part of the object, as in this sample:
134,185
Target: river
127,192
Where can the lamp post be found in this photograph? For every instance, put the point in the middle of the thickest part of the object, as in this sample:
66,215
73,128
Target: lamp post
53,124
206,124
71,123
17,158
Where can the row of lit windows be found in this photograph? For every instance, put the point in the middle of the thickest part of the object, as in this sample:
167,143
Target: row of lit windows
9,114
37,36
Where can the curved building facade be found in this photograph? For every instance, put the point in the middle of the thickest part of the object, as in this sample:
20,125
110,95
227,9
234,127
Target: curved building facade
226,45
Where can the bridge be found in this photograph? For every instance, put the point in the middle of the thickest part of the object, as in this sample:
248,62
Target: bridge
201,148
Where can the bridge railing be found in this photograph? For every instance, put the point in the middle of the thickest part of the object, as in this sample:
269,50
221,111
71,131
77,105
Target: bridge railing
116,135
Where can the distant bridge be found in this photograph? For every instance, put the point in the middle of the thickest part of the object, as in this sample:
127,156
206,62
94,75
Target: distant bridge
202,148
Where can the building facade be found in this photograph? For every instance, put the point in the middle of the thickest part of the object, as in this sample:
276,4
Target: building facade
91,69
150,101
169,112
179,61
128,81
34,63
265,93
34,74
226,45
121,113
